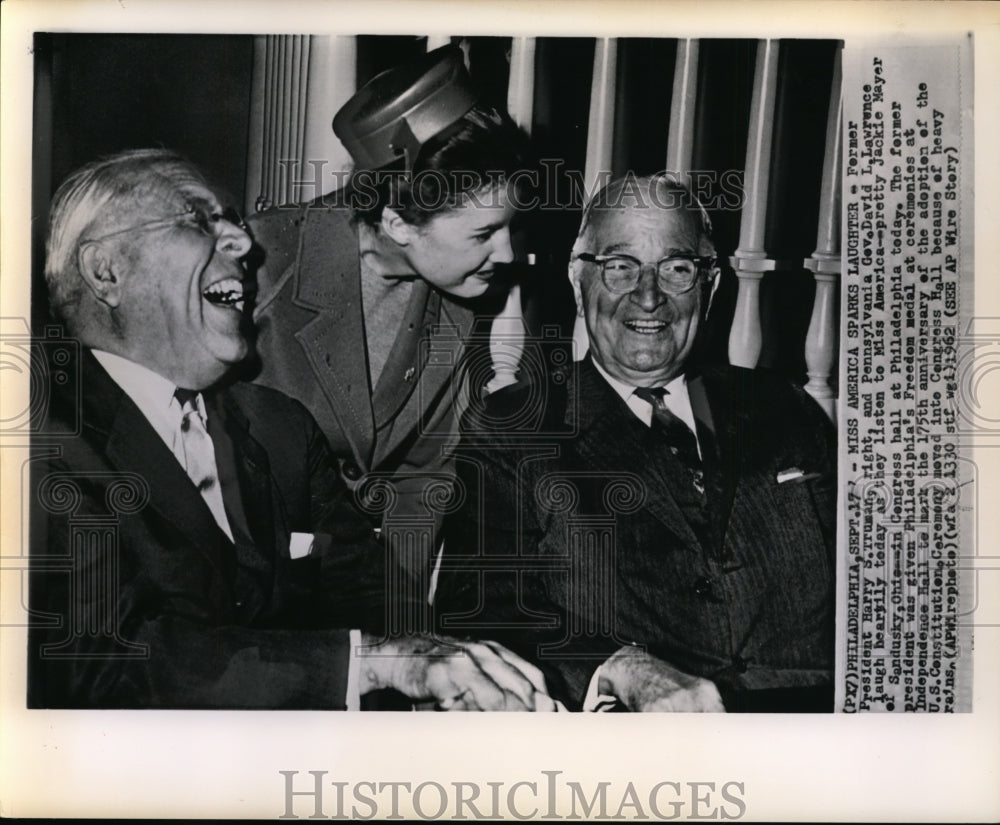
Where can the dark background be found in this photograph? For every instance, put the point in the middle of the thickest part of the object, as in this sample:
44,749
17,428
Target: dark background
97,94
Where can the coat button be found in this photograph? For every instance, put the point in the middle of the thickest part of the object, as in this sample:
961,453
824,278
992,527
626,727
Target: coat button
739,664
351,471
703,587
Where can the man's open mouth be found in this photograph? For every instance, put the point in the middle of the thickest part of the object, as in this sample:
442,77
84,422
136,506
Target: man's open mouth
646,327
225,293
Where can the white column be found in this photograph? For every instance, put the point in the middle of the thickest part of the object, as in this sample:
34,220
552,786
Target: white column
821,340
750,259
299,81
332,80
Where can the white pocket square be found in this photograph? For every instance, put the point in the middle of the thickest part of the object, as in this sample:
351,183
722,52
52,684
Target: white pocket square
795,474
300,545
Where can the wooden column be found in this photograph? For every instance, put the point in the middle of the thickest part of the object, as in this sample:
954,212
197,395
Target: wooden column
750,259
821,340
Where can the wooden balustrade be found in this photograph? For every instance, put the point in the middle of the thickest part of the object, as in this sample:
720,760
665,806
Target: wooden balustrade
300,81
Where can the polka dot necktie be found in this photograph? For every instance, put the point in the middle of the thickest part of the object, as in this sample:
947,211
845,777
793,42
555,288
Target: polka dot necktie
199,457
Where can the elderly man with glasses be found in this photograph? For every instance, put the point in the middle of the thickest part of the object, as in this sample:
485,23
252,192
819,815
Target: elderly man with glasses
192,544
654,532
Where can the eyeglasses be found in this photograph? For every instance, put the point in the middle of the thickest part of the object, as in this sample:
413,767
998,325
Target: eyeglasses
198,216
675,274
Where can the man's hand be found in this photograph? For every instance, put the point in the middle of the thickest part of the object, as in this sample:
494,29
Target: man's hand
458,675
645,683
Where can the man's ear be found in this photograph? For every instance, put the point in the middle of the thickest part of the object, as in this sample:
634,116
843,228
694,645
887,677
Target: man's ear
574,281
396,228
101,272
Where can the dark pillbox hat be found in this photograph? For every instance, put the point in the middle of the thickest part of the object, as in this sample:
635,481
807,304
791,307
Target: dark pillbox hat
399,110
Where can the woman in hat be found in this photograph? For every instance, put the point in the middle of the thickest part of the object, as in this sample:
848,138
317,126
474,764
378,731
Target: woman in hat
366,296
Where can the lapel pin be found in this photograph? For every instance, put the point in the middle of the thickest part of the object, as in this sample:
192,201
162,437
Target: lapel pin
408,375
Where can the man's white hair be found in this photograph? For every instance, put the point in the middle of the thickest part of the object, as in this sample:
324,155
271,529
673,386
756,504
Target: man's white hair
631,191
86,197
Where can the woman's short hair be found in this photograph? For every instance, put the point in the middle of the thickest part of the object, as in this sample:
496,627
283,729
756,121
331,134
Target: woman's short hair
481,150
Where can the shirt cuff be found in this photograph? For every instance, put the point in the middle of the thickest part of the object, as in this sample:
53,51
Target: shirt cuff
353,698
595,701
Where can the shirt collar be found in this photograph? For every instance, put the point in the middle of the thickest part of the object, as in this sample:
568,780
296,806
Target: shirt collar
677,400
152,393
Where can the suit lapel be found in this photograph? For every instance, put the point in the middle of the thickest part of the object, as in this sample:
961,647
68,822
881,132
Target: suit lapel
132,445
328,283
253,476
443,331
611,436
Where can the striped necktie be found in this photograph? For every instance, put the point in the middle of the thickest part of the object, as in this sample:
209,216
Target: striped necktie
682,442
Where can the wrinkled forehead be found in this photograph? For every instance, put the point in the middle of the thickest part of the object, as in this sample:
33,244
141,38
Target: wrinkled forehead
645,231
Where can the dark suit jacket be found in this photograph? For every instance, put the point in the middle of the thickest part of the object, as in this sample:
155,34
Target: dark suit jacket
138,599
579,535
312,346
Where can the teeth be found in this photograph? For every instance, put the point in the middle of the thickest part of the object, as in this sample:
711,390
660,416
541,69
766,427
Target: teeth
227,292
646,327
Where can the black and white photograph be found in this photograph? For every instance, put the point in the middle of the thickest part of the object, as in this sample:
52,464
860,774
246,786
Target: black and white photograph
564,366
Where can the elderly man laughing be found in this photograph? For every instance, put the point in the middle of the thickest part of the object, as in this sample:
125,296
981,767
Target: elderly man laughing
192,545
655,533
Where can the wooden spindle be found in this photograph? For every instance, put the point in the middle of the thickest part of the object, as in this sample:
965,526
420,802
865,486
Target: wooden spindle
601,125
680,137
521,85
750,259
821,340
436,41
507,342
600,144
508,330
